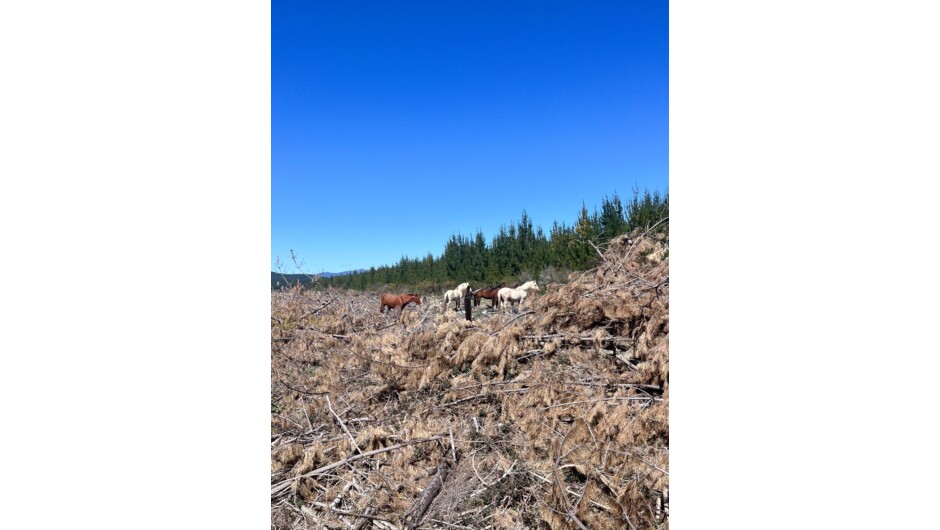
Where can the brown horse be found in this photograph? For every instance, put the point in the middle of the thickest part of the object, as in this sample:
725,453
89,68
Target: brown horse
490,294
398,300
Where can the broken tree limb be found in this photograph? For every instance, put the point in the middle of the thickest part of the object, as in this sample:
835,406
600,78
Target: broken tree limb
413,517
599,253
369,515
281,486
481,396
317,310
569,338
365,518
639,386
341,424
493,334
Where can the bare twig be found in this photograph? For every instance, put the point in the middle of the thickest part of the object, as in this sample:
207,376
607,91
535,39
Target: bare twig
303,405
599,253
299,390
493,334
450,524
649,464
495,482
317,310
652,388
341,424
594,401
365,518
368,516
480,396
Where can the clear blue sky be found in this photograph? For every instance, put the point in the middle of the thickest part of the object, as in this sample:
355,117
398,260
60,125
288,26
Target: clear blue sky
397,124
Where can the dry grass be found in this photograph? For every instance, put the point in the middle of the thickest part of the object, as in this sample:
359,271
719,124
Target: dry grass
554,419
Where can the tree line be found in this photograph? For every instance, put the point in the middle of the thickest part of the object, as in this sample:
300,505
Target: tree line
519,252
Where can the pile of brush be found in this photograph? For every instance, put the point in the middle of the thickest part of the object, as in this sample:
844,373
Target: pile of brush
555,416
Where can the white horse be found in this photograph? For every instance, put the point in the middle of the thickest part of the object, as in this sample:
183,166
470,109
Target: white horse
456,294
517,295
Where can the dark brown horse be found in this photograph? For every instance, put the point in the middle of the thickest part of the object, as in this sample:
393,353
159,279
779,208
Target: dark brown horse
491,294
398,300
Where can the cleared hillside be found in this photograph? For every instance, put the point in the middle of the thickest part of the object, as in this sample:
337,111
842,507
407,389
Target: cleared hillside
552,417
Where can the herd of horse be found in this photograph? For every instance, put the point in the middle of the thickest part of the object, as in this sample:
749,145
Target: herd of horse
498,295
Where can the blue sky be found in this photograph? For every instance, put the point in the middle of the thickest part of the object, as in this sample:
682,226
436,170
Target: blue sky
396,125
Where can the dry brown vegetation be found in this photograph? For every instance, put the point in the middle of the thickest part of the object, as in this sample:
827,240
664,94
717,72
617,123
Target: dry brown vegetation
553,417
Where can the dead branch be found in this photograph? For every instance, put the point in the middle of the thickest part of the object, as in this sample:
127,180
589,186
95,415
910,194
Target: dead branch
495,482
335,336
341,424
299,390
277,488
480,396
317,310
599,253
413,517
595,401
365,516
493,334
652,388
564,337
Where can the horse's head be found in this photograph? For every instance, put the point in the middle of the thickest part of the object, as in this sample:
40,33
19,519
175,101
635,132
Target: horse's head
415,298
530,285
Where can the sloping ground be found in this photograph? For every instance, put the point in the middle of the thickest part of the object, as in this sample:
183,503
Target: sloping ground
552,417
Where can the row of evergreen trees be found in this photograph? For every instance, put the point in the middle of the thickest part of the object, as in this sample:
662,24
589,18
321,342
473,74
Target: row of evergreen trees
518,252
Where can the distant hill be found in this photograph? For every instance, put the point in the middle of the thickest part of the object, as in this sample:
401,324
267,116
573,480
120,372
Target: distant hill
304,278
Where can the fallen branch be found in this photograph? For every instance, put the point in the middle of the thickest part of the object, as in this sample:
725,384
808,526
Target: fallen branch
595,401
505,474
281,486
590,340
365,516
493,334
651,388
480,396
335,336
317,310
341,424
299,390
413,517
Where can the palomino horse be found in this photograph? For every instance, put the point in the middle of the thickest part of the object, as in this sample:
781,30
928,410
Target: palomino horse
456,294
516,296
491,294
398,300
